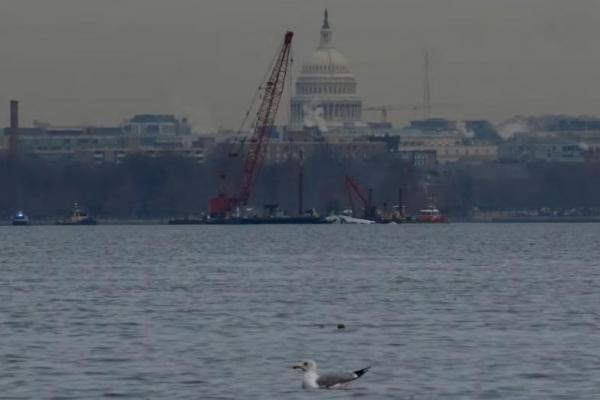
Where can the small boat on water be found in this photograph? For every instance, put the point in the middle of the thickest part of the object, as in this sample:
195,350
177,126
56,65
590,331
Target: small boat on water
20,219
431,215
78,217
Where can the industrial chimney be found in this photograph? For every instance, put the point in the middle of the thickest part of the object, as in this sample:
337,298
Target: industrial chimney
14,127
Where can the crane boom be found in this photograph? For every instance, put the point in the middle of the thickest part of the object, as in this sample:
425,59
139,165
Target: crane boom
366,200
353,187
272,92
265,121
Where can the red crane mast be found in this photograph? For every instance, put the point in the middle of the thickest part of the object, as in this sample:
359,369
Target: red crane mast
265,121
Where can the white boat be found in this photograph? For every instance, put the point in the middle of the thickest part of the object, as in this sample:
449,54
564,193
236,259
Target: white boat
347,219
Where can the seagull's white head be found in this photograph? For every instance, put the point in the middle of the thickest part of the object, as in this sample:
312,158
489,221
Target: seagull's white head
306,366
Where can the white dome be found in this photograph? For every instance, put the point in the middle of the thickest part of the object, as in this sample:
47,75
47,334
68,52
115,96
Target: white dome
326,61
326,95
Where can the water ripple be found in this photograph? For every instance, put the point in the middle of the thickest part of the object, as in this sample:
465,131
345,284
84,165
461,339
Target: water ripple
464,311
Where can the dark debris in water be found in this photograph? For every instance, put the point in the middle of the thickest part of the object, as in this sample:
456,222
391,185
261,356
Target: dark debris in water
534,375
337,326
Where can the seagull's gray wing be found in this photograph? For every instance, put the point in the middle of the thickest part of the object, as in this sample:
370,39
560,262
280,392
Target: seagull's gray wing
340,379
332,380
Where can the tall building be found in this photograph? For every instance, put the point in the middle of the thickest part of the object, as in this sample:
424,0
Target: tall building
326,97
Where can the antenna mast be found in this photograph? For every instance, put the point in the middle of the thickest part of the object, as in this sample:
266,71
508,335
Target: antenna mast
427,90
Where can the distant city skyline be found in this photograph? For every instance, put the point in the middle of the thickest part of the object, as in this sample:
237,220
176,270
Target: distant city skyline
97,62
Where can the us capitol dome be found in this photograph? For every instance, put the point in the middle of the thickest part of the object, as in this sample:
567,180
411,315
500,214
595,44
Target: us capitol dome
326,96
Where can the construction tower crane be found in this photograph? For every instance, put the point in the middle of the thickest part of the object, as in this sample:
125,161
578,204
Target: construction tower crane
385,109
272,92
426,107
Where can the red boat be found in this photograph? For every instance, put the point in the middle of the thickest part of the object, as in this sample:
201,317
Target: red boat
431,215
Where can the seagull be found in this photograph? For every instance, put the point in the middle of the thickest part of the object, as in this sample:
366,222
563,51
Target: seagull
312,379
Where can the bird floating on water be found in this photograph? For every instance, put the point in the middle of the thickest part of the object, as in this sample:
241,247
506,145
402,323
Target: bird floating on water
313,380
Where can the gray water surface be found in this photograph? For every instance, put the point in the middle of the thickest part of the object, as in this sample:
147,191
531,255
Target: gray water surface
458,311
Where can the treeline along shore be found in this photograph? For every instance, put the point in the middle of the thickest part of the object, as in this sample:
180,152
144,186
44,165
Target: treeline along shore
155,188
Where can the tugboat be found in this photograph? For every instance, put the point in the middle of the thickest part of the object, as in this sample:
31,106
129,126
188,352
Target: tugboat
431,215
78,217
20,219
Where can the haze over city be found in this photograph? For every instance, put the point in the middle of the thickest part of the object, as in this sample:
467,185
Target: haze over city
411,209
96,62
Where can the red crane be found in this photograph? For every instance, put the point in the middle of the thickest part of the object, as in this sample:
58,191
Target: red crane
352,187
272,92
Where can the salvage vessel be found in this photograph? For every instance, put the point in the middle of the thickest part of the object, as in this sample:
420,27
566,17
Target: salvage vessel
78,217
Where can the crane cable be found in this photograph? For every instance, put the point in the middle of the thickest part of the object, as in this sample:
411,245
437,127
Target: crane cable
290,86
254,101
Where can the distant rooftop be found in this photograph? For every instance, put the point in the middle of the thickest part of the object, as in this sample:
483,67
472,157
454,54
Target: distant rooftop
573,124
433,124
153,118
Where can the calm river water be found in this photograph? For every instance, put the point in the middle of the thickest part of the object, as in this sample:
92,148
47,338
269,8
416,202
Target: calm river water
458,311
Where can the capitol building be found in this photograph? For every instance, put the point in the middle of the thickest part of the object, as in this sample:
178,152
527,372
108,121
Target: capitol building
326,91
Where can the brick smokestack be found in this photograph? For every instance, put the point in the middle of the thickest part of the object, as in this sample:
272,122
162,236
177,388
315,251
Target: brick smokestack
14,127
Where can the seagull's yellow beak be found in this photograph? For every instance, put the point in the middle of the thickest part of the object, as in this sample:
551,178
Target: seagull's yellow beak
298,366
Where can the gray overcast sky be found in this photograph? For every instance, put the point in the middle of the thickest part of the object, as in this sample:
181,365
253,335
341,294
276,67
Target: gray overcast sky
99,61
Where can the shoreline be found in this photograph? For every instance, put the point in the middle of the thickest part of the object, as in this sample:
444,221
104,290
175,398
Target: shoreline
496,220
